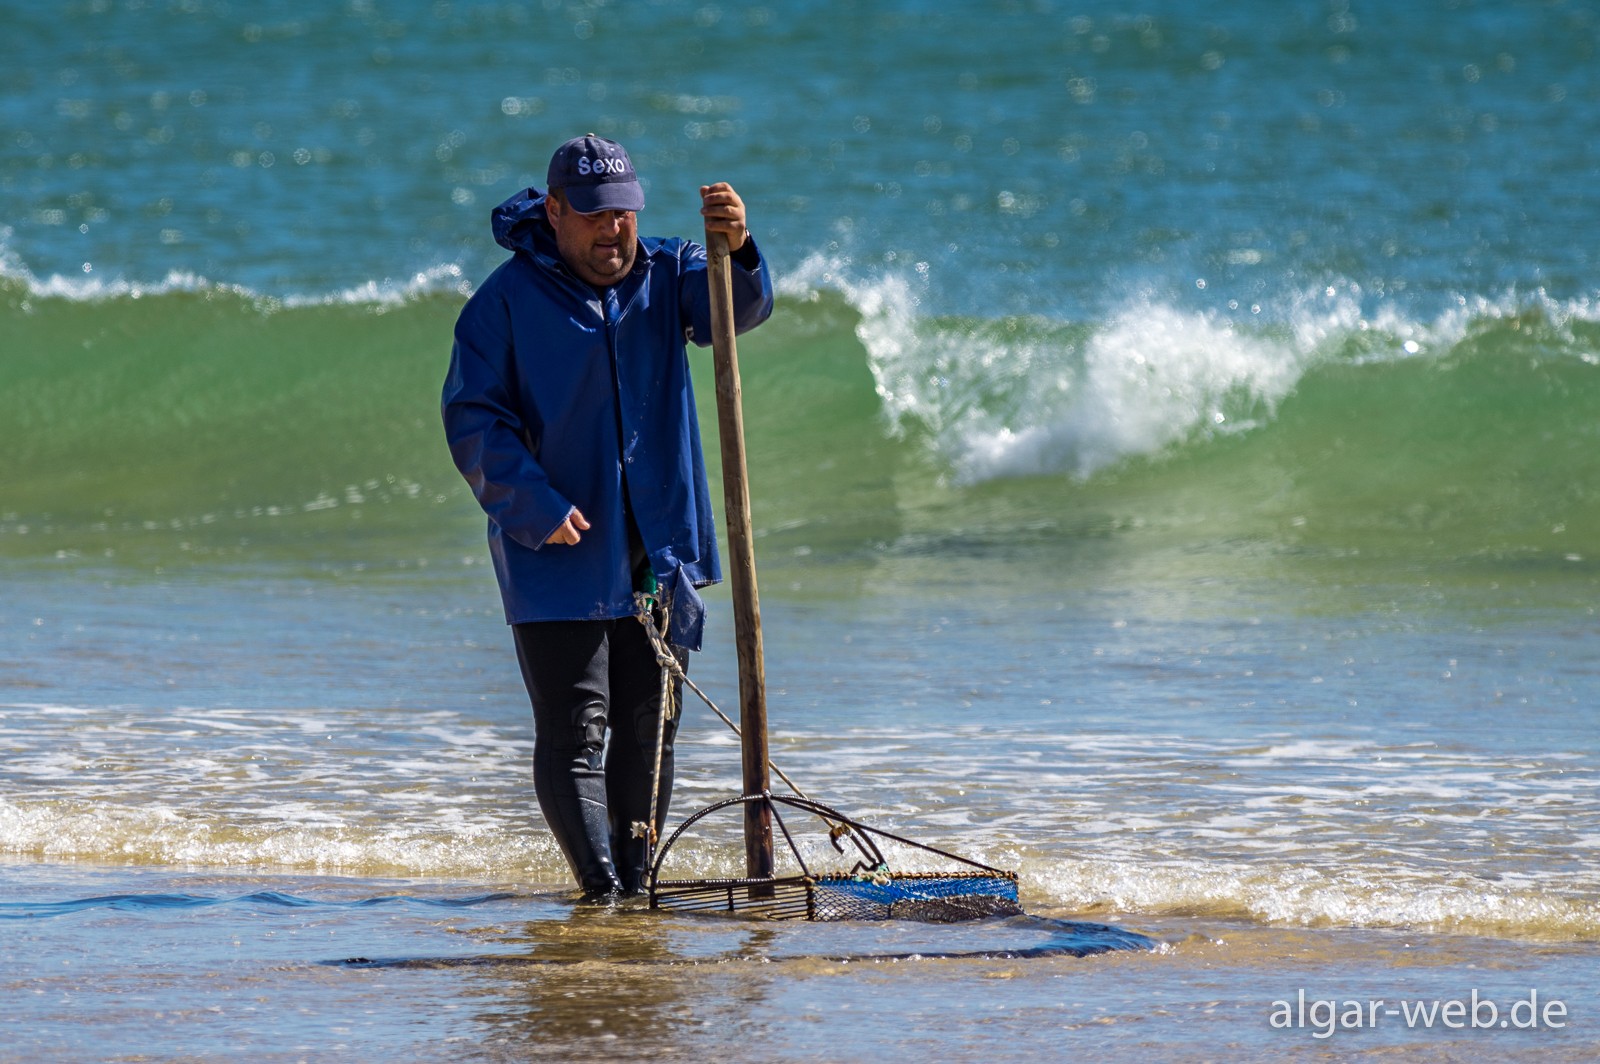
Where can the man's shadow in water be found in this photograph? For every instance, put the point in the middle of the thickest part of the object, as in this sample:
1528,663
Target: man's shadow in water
621,973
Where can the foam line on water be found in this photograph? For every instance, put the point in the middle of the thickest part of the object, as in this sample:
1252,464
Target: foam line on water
99,285
1028,396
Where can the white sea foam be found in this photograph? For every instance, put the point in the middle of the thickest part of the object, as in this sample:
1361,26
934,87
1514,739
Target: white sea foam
1351,895
1147,380
98,284
446,277
1293,833
317,841
1023,397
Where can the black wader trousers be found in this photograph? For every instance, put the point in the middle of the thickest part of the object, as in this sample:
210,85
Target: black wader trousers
586,678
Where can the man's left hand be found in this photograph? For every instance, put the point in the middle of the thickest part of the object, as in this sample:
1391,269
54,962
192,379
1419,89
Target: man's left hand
723,211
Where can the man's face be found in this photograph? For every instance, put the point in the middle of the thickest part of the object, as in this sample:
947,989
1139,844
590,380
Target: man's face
598,247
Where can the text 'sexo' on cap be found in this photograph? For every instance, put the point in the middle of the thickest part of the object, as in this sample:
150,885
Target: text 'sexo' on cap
596,175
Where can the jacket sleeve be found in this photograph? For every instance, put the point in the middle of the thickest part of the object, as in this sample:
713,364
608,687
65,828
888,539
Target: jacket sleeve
752,292
489,434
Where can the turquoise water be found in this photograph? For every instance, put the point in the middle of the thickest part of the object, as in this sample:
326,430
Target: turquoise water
1172,461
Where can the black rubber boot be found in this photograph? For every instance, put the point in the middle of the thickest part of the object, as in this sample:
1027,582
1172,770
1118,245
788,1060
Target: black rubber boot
628,774
630,854
574,805
588,850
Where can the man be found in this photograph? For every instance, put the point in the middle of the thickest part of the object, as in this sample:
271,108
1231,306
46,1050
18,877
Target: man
569,409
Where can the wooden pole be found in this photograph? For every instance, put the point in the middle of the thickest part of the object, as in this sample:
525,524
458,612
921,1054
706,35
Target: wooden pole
741,564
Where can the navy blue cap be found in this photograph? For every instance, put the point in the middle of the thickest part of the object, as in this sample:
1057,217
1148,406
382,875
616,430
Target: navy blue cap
596,175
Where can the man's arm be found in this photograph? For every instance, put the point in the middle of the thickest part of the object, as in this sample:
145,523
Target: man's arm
724,212
488,433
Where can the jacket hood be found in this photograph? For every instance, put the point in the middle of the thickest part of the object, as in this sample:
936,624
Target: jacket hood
520,224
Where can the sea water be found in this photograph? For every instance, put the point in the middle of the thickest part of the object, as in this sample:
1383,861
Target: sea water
1173,472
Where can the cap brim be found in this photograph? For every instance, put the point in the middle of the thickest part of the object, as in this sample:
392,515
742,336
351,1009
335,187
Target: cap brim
609,196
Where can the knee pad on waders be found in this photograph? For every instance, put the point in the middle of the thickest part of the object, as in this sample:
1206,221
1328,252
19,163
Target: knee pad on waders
589,728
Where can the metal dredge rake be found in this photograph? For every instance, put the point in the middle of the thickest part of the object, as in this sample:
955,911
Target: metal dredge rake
868,891
961,889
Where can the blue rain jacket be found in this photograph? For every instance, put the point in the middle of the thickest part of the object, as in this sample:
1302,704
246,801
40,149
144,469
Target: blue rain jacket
559,396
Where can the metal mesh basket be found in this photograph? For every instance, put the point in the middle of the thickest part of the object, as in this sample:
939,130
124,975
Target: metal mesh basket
870,890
